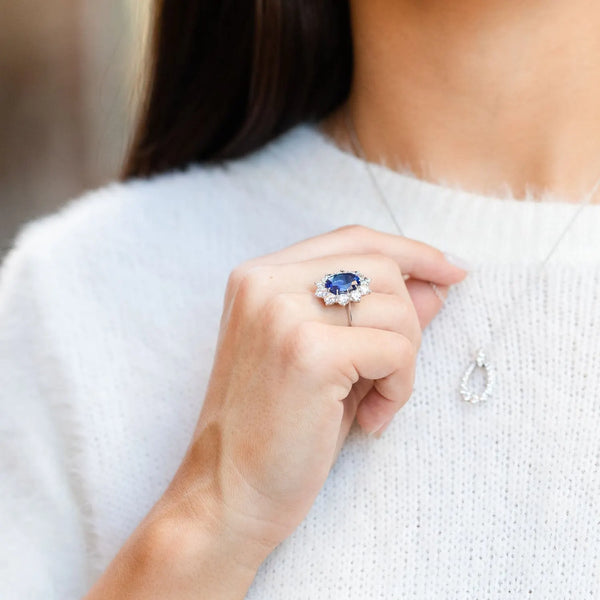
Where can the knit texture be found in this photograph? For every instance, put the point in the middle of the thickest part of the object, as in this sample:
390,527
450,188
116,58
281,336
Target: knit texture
109,313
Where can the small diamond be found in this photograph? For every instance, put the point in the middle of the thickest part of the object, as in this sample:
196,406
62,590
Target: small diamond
343,299
330,299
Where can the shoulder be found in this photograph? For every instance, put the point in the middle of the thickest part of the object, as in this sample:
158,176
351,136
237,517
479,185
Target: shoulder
148,240
125,222
103,239
200,203
118,211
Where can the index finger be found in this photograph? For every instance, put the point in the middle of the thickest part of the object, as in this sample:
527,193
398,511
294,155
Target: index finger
416,259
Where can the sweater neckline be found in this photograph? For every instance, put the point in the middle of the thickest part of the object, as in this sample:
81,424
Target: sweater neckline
479,227
435,188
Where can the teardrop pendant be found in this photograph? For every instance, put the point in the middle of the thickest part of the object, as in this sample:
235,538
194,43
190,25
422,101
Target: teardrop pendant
480,360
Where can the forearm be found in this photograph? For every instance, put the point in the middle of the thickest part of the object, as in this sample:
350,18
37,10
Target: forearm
180,557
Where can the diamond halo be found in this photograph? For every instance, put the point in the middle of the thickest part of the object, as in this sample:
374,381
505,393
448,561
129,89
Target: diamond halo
342,287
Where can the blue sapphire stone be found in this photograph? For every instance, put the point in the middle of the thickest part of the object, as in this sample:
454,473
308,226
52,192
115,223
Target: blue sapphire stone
342,283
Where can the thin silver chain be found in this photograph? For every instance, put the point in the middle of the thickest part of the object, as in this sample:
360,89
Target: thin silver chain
359,151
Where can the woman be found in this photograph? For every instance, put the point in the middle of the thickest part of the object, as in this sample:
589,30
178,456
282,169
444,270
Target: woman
179,402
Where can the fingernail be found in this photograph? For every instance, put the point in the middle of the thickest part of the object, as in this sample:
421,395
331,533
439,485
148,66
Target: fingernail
379,430
458,261
379,433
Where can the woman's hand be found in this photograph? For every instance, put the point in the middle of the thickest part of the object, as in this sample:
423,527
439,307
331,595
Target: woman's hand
289,378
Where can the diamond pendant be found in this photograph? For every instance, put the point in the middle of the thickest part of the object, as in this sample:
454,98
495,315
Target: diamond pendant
480,360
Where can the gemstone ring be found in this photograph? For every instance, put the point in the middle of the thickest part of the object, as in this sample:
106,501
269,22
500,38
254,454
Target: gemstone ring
343,287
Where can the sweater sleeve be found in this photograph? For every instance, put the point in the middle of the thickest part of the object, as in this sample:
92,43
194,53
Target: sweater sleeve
43,549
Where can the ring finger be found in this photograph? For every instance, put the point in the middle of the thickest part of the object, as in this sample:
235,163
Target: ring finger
389,312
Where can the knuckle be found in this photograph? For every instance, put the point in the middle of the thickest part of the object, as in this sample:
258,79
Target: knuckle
249,286
410,321
278,309
392,265
374,255
354,229
406,319
301,343
404,350
403,315
430,252
401,309
435,252
388,263
234,279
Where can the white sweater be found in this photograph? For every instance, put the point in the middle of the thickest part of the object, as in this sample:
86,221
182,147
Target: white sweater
109,312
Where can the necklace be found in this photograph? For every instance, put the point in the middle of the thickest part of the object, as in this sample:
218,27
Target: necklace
481,358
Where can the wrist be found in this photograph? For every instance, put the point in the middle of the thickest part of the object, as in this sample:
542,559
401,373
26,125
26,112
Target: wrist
209,495
173,554
201,533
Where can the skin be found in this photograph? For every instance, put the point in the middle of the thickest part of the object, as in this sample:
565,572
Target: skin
482,94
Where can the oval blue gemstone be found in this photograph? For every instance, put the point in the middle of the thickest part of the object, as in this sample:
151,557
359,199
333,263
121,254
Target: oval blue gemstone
342,283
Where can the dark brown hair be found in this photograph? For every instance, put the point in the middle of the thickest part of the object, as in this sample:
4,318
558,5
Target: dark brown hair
226,76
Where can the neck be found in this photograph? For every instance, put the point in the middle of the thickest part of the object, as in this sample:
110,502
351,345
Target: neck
481,95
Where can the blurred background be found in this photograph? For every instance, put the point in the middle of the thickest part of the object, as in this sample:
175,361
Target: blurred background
70,76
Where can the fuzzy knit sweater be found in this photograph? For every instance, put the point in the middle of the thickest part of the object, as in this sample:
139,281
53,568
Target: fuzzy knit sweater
109,312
